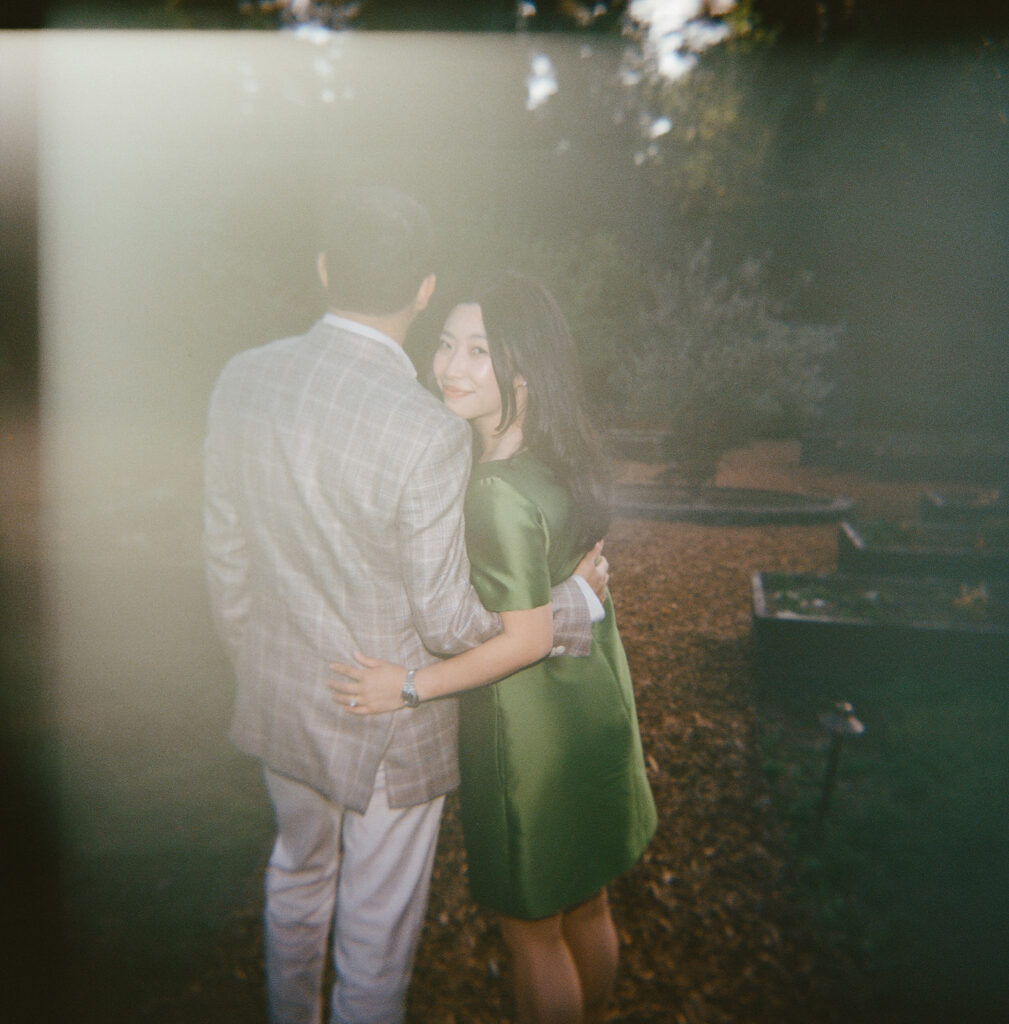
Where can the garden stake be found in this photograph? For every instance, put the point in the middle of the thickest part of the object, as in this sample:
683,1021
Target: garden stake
840,722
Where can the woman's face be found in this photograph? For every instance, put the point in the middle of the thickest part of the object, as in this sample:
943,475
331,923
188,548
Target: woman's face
463,369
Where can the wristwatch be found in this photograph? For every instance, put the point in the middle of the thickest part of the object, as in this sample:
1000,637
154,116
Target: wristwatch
409,694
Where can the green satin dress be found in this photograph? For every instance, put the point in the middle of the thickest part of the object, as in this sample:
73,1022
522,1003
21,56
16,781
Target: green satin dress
554,797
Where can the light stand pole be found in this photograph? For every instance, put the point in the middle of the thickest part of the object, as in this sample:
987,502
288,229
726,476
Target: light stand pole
840,722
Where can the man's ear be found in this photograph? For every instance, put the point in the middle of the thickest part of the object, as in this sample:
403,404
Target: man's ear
322,270
424,293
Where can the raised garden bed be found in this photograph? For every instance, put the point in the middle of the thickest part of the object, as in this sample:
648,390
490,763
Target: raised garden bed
980,459
726,506
886,547
960,505
842,636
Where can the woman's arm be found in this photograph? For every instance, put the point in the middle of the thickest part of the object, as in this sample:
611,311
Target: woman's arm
376,686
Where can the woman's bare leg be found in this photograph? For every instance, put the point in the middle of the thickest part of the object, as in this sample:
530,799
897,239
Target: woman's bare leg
591,937
546,979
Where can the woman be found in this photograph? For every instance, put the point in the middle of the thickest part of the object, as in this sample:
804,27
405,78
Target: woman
554,798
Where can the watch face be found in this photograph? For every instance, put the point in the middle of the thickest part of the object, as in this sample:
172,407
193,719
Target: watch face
410,698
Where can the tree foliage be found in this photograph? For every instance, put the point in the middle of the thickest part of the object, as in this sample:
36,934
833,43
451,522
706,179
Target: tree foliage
711,358
716,363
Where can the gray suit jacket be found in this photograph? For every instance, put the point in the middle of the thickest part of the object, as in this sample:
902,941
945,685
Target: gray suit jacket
333,523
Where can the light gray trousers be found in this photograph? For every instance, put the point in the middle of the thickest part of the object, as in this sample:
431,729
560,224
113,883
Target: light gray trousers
367,877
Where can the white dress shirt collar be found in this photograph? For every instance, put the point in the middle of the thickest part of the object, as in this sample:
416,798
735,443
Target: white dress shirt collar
345,324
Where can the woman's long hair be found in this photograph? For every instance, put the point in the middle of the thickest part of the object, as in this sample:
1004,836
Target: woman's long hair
529,337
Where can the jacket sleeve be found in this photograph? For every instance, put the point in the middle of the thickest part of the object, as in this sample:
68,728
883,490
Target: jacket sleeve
225,552
432,546
572,620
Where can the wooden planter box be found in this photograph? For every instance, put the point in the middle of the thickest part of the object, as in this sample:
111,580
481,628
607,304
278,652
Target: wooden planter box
841,636
886,548
962,506
975,459
726,506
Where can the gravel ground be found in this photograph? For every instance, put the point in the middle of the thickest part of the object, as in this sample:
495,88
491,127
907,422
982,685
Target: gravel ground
709,929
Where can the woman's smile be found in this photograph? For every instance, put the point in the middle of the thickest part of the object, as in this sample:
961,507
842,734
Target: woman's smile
463,368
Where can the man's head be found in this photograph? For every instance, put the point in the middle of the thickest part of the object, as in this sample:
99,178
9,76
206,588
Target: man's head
377,251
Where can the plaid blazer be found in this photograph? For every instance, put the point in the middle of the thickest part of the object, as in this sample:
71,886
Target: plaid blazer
333,522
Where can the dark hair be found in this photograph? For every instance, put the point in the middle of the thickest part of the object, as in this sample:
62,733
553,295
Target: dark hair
529,337
379,246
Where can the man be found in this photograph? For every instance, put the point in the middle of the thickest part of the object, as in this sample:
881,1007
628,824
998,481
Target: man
333,523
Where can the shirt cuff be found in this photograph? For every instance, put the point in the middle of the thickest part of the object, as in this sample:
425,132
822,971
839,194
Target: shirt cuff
596,610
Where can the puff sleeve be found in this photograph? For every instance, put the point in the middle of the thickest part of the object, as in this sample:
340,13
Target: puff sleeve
508,543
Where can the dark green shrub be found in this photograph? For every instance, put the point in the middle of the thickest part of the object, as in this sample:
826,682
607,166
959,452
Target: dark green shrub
709,358
716,364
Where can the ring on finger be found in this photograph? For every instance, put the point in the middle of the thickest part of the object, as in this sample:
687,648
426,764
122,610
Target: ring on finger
353,702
